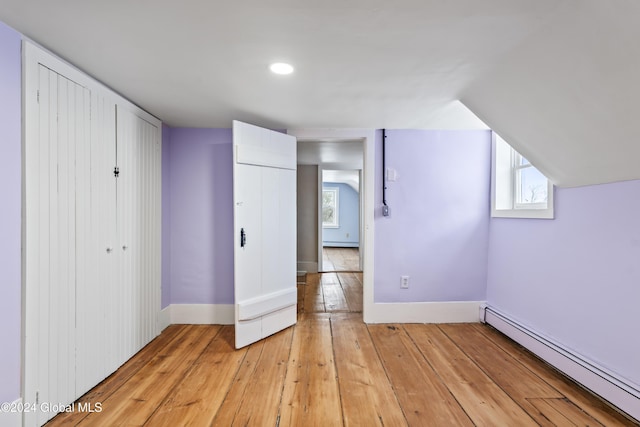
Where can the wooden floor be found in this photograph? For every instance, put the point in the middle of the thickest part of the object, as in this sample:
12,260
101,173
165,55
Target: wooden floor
330,293
340,259
333,370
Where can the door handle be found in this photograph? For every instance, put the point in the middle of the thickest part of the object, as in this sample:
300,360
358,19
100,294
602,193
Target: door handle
243,238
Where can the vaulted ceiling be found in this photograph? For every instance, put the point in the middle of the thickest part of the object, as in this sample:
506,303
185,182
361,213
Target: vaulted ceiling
556,78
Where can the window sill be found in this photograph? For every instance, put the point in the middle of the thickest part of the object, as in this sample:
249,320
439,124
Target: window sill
523,213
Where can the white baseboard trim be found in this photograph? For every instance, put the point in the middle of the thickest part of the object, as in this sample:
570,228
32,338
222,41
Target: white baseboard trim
308,266
164,318
415,312
620,392
201,314
12,419
424,312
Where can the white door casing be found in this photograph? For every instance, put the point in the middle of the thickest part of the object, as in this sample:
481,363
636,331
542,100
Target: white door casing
264,194
370,312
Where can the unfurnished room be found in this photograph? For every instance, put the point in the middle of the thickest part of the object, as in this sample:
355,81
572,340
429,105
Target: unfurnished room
285,213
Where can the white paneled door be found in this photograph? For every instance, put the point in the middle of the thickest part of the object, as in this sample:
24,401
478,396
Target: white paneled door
53,201
138,222
91,234
264,192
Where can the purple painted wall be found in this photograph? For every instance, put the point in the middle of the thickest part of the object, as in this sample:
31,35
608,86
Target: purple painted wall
200,196
438,229
575,279
10,213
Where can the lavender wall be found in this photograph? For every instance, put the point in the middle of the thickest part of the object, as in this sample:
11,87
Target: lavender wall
10,213
348,218
575,279
200,195
438,229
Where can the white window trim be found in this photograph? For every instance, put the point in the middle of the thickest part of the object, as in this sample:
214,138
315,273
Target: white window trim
502,167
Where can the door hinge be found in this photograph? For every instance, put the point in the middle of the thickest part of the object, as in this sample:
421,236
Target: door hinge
116,171
38,96
37,397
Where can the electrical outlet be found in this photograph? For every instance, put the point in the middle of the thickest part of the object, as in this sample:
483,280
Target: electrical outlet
347,235
404,282
385,210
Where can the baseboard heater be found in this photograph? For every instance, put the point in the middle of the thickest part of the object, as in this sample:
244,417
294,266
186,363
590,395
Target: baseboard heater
616,390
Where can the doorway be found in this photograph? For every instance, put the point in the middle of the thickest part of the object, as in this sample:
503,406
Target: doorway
340,210
330,225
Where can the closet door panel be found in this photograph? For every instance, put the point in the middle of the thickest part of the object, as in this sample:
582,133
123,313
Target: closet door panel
65,250
153,180
89,349
127,243
139,224
95,290
52,198
150,186
106,323
41,283
53,322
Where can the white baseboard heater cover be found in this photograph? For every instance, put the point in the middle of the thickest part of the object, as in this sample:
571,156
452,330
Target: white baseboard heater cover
616,390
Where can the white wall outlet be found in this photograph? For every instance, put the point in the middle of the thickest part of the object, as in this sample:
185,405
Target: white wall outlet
404,282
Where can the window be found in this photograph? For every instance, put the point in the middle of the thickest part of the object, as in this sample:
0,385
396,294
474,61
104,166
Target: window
330,208
518,189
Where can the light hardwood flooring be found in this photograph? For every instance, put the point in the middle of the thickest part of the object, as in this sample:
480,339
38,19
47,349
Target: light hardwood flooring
340,259
330,292
331,369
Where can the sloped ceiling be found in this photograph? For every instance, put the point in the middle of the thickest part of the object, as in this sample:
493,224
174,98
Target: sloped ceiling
349,177
556,78
567,97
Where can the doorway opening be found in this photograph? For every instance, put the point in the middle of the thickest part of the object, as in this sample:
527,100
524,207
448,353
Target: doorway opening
341,218
330,225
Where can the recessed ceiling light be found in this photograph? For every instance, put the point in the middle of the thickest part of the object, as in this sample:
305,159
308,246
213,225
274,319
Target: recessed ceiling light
281,68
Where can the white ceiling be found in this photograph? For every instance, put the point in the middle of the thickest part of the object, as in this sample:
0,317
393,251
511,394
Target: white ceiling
331,153
556,78
359,63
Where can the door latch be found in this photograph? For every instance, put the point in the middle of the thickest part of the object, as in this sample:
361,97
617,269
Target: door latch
243,238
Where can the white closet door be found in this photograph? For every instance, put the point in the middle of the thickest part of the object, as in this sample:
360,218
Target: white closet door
138,199
96,242
89,295
92,241
52,188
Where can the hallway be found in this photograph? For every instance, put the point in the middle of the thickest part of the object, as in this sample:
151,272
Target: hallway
340,259
330,293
